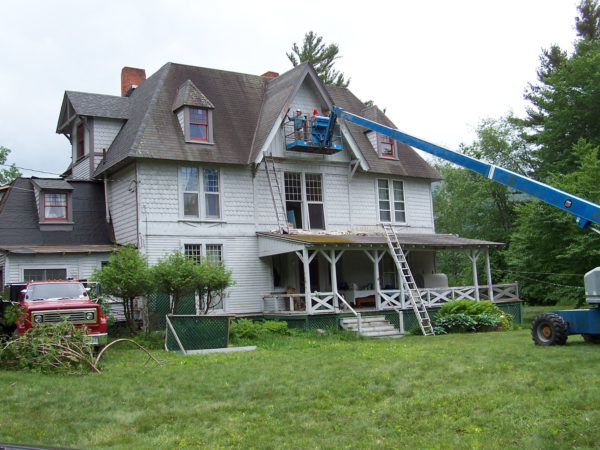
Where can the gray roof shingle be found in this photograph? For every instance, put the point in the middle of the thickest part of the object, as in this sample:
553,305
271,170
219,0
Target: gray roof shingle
246,108
19,222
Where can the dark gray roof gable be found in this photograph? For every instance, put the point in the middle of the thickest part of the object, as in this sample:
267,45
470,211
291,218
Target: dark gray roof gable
19,222
52,184
95,105
189,95
247,110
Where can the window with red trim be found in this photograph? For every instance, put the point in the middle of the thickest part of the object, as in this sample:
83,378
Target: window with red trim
55,207
80,149
198,124
387,147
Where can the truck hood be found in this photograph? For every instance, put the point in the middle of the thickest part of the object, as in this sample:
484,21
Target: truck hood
41,305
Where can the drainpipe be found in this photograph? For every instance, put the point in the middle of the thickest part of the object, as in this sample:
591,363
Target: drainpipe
106,199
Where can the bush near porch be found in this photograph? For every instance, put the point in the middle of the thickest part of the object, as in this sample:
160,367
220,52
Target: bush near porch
490,390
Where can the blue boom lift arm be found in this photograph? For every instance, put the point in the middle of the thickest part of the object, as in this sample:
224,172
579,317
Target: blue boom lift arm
586,213
548,328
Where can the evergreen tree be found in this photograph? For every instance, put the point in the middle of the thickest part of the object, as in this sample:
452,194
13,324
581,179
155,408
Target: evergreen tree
321,56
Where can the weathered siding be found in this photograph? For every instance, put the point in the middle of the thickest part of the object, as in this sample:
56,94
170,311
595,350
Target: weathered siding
105,131
122,205
81,169
79,266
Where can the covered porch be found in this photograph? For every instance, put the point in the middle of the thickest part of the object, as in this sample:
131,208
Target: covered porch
332,273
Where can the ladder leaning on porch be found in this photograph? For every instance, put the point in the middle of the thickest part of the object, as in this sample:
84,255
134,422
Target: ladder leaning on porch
276,194
407,280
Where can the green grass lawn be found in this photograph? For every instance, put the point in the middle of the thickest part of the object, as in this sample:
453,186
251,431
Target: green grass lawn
492,390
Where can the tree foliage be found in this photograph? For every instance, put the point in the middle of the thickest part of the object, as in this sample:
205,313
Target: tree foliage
9,174
548,252
126,277
179,275
564,100
321,56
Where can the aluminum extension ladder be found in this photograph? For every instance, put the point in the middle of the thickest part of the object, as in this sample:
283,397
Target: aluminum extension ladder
276,194
408,281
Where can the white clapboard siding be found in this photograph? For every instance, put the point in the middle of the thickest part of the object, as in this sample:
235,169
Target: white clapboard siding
79,266
122,205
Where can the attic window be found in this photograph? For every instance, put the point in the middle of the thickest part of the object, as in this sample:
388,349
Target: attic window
55,207
80,141
387,147
198,124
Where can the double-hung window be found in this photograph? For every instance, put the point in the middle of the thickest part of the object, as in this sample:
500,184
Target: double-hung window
304,199
80,141
55,207
198,124
391,201
201,193
387,147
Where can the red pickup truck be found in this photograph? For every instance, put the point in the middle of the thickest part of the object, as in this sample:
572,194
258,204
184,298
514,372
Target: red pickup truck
57,301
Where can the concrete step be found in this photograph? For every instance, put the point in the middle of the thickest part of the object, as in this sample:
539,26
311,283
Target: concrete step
372,327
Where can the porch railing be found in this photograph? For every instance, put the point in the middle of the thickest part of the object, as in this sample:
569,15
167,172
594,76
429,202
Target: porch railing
328,302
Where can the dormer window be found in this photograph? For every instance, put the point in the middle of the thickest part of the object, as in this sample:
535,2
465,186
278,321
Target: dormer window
387,148
198,124
194,113
55,207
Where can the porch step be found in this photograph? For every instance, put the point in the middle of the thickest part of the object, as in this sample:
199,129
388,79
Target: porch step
371,326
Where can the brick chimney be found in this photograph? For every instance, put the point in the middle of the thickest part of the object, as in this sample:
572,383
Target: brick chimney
130,79
270,74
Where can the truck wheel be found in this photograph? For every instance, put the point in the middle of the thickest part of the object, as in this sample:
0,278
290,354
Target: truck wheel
591,338
549,329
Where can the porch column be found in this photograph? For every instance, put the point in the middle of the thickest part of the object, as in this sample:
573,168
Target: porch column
488,270
333,259
376,278
473,256
306,268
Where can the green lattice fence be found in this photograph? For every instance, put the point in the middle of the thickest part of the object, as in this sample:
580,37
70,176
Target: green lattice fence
197,332
515,309
159,307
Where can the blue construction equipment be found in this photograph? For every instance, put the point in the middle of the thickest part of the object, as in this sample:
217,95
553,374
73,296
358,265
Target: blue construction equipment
549,328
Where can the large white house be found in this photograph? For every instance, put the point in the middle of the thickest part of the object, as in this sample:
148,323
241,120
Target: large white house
182,156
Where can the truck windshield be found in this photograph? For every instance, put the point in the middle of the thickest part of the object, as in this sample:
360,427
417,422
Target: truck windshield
48,291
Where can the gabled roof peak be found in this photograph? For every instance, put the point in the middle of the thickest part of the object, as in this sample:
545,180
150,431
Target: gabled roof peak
189,95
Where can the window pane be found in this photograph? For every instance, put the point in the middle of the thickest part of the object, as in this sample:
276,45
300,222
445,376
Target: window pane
384,201
212,205
314,189
294,214
399,215
293,187
316,216
211,180
56,274
190,204
33,274
384,215
198,132
214,252
189,178
199,116
193,251
384,192
55,206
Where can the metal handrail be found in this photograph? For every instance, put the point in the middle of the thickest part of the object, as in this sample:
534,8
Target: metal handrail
358,316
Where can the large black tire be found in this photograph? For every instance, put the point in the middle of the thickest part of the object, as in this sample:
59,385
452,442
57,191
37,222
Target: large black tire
549,329
591,338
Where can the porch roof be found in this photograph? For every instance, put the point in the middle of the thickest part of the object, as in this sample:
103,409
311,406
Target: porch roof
275,243
56,249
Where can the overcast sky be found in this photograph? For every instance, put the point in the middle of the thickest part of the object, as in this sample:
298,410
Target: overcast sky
439,67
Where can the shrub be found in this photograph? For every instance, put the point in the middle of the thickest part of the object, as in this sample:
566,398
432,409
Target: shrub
463,316
248,329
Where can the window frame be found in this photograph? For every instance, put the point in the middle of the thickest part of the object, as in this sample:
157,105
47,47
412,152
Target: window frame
202,245
188,122
45,205
201,193
304,202
44,271
392,200
386,140
79,142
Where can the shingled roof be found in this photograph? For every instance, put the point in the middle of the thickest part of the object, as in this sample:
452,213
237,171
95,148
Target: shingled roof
19,221
95,105
247,108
